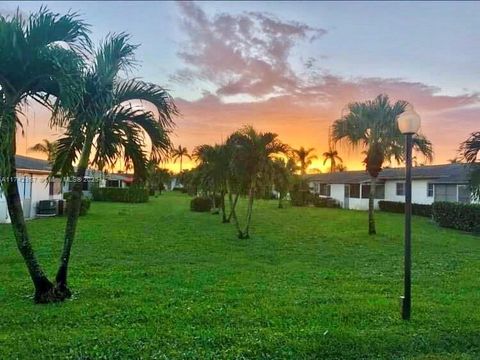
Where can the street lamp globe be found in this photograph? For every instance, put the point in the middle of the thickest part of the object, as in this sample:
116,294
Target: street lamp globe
409,121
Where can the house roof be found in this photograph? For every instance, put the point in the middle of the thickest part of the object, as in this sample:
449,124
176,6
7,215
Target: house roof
440,174
123,177
29,163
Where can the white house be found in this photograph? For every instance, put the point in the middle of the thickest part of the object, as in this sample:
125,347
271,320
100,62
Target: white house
351,189
33,185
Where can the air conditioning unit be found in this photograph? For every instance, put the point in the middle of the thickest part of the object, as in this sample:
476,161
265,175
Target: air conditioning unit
46,208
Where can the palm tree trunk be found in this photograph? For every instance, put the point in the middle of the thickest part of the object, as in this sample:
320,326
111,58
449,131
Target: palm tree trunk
73,212
181,158
43,286
251,196
371,206
224,214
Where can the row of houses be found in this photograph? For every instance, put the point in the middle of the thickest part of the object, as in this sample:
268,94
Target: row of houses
34,185
448,182
350,188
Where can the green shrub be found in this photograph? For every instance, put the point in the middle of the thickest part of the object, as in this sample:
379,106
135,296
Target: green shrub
458,216
84,206
201,204
132,194
325,202
399,207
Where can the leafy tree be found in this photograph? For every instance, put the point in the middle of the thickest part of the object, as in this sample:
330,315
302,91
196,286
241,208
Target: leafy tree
107,123
39,58
179,153
304,157
157,177
332,156
46,147
283,173
252,154
214,162
470,150
373,126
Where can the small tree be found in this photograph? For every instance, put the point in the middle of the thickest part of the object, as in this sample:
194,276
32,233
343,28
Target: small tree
46,147
179,153
470,150
305,157
252,154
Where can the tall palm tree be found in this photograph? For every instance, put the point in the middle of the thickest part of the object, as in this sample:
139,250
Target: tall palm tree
107,125
372,125
332,156
46,147
39,57
304,157
252,157
470,150
179,153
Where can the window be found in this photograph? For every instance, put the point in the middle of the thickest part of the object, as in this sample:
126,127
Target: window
324,189
463,194
429,190
400,189
379,191
355,191
446,192
55,187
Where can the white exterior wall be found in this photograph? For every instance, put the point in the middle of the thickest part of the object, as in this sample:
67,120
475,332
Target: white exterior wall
361,204
337,192
419,192
40,191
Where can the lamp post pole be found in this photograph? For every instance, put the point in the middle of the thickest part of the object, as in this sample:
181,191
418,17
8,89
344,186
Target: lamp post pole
407,293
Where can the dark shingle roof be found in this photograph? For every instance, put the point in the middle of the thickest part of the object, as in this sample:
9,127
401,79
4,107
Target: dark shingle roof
28,163
446,173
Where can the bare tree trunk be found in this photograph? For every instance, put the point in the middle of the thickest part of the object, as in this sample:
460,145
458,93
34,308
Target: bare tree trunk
224,212
44,291
73,213
371,206
233,214
280,198
251,196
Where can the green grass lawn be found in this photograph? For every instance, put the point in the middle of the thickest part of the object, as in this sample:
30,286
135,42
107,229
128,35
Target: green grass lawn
158,281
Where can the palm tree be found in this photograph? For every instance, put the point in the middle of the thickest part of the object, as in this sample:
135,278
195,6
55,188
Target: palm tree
213,169
304,157
179,153
332,156
340,168
46,147
252,158
105,119
39,57
373,126
470,150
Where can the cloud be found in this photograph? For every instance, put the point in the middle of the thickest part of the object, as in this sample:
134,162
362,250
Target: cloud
241,54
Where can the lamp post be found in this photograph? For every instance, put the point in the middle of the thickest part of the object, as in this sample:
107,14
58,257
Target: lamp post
408,123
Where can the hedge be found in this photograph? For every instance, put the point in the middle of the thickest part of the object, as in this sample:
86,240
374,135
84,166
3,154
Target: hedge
326,202
201,204
205,203
465,217
84,207
132,194
399,207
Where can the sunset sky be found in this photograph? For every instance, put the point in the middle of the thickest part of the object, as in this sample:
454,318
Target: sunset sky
291,67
